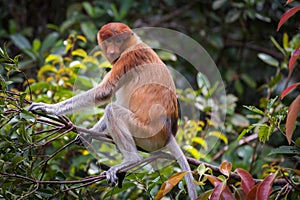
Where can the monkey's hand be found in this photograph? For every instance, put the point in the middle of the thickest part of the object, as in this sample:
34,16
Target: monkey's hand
48,108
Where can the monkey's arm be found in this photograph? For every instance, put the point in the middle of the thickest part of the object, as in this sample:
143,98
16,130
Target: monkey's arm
95,96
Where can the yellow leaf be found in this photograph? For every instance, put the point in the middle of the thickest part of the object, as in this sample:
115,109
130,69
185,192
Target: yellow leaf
219,135
169,185
49,79
69,45
194,152
30,80
78,64
79,52
54,58
90,59
97,53
105,64
200,141
85,152
46,68
82,38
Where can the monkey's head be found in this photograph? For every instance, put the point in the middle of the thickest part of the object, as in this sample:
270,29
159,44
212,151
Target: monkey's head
114,38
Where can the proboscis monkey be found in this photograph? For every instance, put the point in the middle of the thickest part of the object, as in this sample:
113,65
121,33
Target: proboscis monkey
145,111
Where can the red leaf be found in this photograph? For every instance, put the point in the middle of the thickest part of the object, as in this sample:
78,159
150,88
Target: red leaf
216,194
169,184
264,188
214,180
252,193
226,194
287,90
294,57
287,15
291,118
289,1
247,180
226,167
221,190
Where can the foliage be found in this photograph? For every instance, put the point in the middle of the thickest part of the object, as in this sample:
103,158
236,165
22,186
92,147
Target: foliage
257,146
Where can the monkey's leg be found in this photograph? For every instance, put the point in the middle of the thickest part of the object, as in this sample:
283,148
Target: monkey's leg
117,119
100,126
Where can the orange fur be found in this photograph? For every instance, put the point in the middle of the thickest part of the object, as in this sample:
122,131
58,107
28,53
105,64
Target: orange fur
133,56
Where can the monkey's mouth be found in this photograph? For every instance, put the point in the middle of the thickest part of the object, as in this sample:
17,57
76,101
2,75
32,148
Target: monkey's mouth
113,59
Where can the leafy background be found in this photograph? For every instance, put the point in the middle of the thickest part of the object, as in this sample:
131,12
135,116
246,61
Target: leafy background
45,44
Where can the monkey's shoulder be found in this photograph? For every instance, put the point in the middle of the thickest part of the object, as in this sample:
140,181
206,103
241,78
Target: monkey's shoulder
138,55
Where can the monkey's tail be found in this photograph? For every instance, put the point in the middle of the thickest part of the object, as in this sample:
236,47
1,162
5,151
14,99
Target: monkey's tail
182,161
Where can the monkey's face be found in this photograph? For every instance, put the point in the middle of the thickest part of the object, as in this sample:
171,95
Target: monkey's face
113,38
113,47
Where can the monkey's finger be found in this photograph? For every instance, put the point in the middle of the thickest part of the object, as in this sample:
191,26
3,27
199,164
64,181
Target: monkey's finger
111,176
36,106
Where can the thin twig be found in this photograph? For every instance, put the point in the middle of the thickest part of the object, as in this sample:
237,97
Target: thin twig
31,192
280,131
58,136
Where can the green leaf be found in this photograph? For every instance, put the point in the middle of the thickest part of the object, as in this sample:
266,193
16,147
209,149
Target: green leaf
285,150
232,16
116,190
36,44
67,24
38,86
277,45
244,132
115,12
89,30
276,79
248,80
16,160
84,82
285,41
264,132
23,44
125,7
239,120
254,109
20,41
239,86
88,8
218,4
49,41
271,103
268,59
202,81
165,55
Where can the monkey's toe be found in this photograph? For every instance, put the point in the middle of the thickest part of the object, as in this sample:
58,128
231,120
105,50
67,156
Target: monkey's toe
111,176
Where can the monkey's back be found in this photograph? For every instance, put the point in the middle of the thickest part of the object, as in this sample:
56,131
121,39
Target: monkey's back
147,89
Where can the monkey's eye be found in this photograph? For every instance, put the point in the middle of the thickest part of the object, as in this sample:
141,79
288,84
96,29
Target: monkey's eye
108,40
118,40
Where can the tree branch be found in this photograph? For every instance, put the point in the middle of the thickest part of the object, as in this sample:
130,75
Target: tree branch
234,43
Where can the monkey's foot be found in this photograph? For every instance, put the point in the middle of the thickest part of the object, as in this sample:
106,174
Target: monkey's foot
112,175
